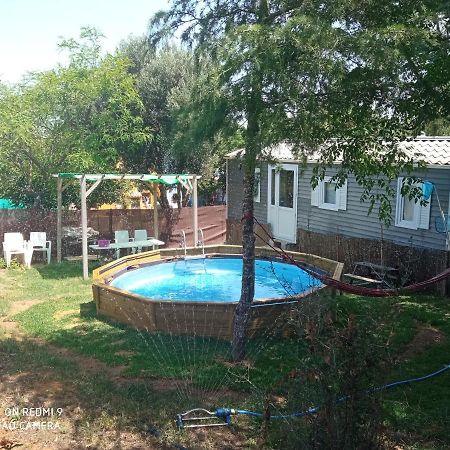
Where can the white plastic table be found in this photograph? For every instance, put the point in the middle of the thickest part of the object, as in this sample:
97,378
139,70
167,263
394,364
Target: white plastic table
134,245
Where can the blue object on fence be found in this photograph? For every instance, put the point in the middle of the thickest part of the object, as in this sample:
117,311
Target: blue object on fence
224,414
441,225
427,189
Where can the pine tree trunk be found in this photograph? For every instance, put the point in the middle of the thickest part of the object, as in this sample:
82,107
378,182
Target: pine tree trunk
254,108
242,313
243,308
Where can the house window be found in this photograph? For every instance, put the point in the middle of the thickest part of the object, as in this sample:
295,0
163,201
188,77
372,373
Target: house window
408,210
410,213
257,186
327,195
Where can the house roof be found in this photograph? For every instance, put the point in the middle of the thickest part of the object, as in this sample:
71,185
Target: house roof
433,150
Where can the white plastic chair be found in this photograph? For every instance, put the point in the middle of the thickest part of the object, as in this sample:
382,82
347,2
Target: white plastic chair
140,235
38,242
122,237
14,244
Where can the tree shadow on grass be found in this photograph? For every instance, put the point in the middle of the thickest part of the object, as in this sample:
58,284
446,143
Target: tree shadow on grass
94,410
204,360
145,352
142,353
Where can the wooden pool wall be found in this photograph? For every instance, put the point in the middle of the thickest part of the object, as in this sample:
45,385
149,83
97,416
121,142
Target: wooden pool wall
200,318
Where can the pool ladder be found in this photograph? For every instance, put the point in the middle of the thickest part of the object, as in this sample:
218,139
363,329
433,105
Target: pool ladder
183,242
200,243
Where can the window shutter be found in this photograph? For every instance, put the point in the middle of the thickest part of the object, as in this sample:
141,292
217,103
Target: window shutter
342,196
315,196
398,202
424,215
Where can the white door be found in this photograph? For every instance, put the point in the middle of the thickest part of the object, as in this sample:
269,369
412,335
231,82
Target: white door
282,201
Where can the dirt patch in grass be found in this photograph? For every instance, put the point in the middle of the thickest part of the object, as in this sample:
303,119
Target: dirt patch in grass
84,423
19,306
223,438
65,428
207,397
245,363
425,338
2,276
11,327
220,397
125,353
169,384
61,314
88,364
72,325
94,366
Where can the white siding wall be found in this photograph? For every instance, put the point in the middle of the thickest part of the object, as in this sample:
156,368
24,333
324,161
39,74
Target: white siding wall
352,222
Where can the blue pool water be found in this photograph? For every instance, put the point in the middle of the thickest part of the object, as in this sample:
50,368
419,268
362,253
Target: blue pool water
214,279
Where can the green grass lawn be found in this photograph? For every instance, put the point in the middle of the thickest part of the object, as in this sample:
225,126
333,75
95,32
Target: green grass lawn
62,314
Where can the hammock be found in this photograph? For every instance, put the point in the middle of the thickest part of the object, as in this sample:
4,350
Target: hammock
347,287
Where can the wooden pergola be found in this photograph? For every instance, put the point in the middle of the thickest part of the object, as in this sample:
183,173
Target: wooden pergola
187,181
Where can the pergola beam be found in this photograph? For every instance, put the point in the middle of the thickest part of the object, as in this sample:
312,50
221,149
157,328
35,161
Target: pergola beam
92,188
164,179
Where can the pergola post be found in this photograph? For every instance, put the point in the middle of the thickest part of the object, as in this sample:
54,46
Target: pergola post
84,244
59,190
226,189
155,211
195,209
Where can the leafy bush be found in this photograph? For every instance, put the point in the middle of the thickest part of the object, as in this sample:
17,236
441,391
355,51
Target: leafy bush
16,265
340,355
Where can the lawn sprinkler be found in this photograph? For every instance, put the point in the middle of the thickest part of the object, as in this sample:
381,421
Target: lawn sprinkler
199,418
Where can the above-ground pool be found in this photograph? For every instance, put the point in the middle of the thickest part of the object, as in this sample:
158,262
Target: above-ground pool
160,292
214,279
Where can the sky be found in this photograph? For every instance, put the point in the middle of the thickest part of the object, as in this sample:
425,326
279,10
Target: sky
31,29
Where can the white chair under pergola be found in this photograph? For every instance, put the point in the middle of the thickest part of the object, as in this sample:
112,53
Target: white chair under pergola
188,181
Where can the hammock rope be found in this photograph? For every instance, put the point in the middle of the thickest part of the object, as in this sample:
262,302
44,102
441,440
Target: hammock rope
347,287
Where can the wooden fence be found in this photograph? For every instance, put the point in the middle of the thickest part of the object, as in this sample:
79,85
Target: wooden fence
211,219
